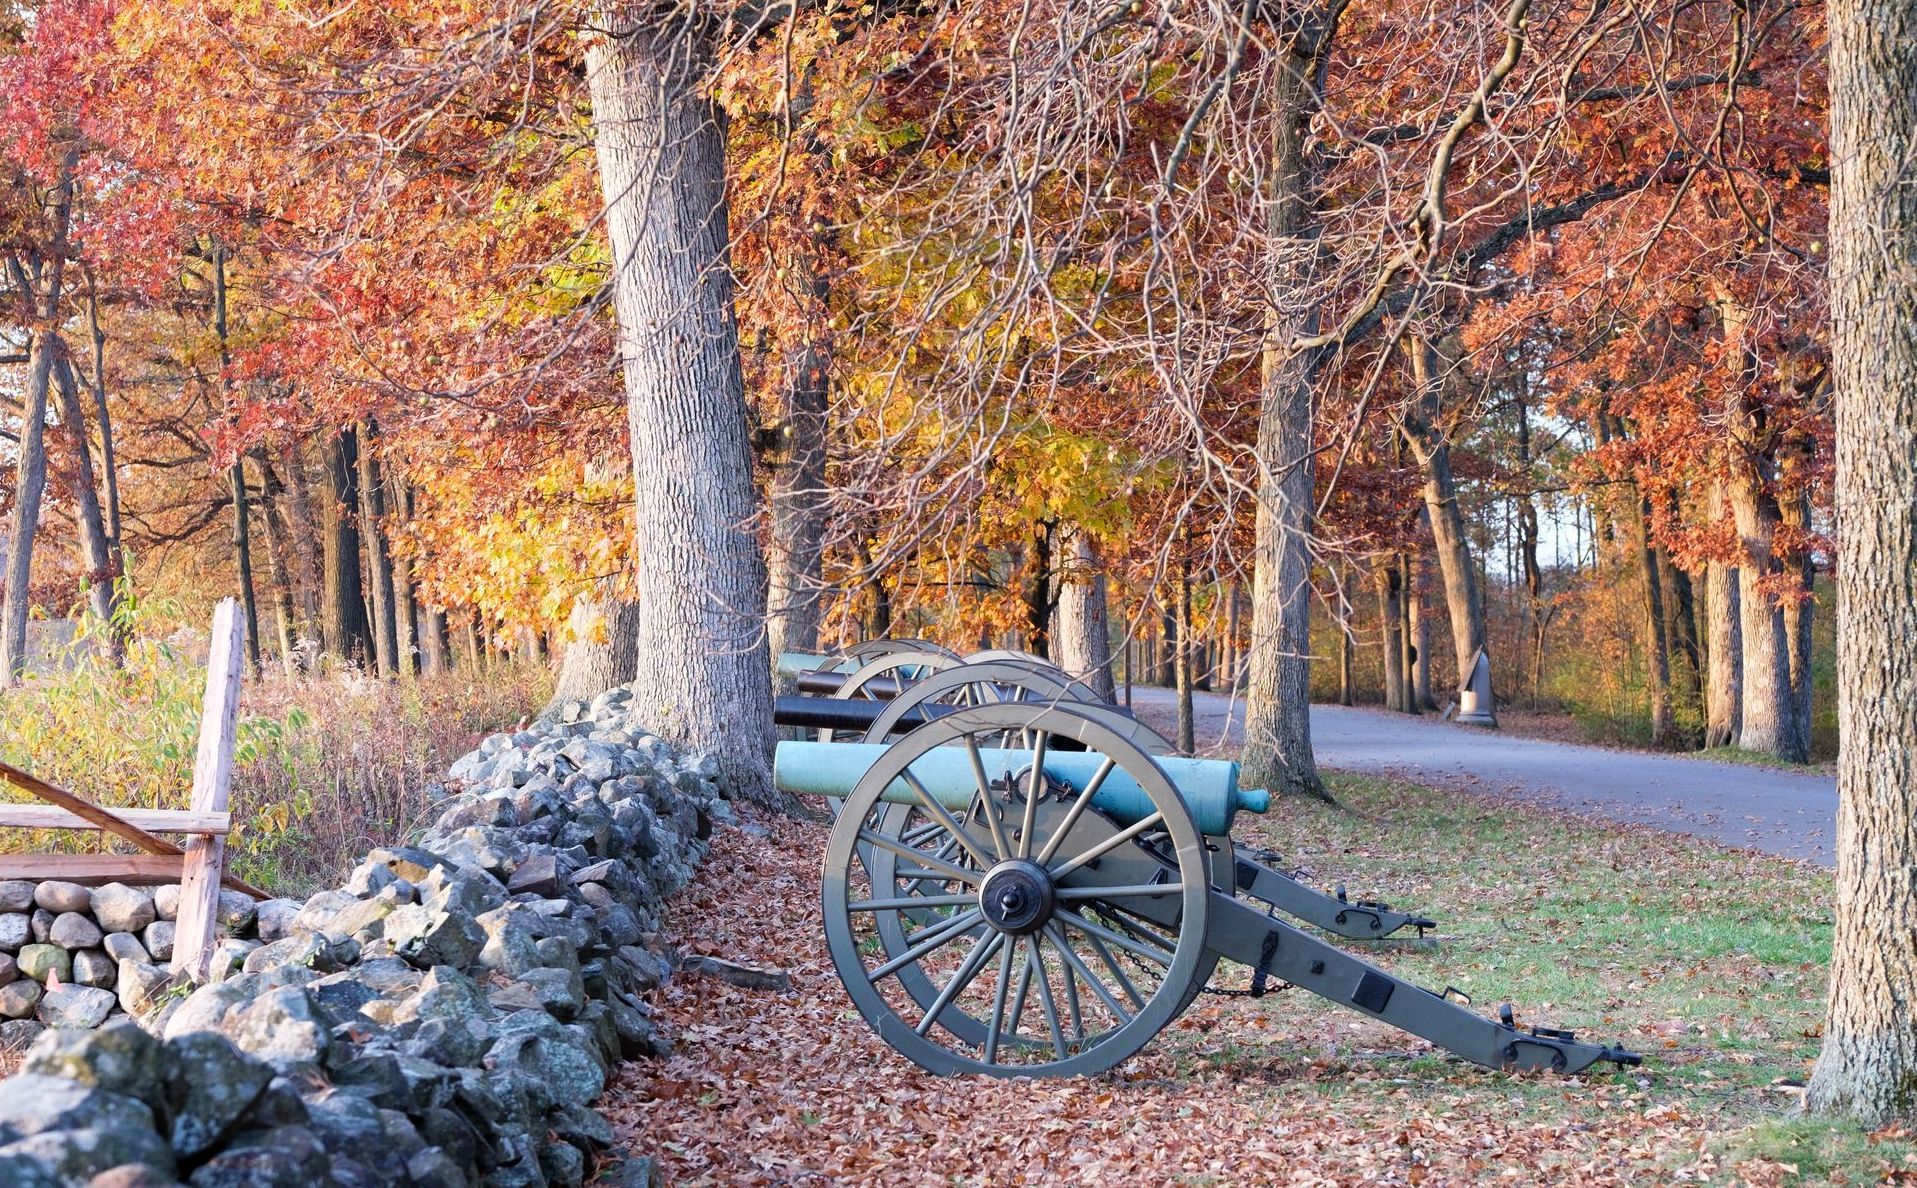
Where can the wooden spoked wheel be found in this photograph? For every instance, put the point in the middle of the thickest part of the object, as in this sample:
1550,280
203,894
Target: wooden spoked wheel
1022,933
995,681
874,648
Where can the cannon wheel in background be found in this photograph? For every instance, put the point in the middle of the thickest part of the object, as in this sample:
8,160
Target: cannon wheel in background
872,649
951,980
994,681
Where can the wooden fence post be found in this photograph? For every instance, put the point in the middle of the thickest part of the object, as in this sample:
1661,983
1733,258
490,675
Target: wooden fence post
212,780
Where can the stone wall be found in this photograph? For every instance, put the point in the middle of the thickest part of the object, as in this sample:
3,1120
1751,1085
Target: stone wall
446,1016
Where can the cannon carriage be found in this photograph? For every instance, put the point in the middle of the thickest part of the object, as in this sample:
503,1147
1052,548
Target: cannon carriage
1031,886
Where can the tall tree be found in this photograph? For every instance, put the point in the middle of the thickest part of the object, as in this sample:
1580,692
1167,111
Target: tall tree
1868,1066
342,604
702,667
1084,641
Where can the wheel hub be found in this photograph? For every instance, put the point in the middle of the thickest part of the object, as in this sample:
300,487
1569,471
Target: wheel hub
1017,896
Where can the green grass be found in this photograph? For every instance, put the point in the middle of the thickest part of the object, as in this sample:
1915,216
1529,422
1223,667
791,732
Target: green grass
1760,759
1709,962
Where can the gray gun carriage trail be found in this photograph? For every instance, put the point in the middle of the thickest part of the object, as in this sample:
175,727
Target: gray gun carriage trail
1026,883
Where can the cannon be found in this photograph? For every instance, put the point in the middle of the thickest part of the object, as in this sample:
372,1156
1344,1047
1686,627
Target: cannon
1045,907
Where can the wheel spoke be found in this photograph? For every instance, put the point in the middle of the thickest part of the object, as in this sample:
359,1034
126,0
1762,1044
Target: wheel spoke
1073,1010
1072,959
998,1001
967,970
873,838
944,817
1046,1000
1077,810
1108,845
1125,892
1118,972
985,797
1032,789
1024,988
939,935
907,903
1129,944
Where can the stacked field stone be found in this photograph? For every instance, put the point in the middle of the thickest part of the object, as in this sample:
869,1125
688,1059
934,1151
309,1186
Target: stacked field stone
73,956
447,1016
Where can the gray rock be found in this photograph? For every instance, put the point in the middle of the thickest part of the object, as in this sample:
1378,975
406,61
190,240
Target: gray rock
166,901
511,940
39,924
17,999
71,930
284,1157
75,1006
9,968
210,1086
16,1034
124,946
34,1103
16,929
552,1058
56,896
76,1156
120,1057
274,919
345,1120
138,982
16,895
366,917
286,1028
120,908
428,936
368,878
205,1009
92,967
408,862
559,991
37,961
537,875
234,911
158,939
133,1175
228,958
638,1172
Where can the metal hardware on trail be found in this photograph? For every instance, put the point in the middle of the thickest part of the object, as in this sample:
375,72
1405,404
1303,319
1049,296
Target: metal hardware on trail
1023,888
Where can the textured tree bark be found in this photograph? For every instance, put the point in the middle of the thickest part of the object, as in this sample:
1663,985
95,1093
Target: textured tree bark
342,607
278,578
1182,656
1347,647
1417,636
800,502
96,545
1795,513
702,667
1868,1067
29,483
379,557
1763,722
103,417
1425,434
602,648
1724,693
405,593
1391,631
305,543
30,469
1657,659
1680,633
236,477
1036,589
1084,644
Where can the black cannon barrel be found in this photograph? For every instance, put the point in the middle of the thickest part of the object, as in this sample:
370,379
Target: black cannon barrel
833,713
824,684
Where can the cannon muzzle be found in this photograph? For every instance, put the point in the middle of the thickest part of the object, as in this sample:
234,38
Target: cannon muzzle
1209,786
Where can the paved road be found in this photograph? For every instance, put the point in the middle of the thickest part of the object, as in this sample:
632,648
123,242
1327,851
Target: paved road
1780,812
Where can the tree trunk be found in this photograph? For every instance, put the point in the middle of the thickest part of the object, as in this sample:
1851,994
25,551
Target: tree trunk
469,644
602,648
1232,661
109,463
342,607
236,477
96,544
1424,432
1680,633
379,557
1084,626
405,594
1657,660
1795,513
436,652
1347,647
1418,635
1391,631
30,481
1036,590
273,520
1868,1067
800,501
305,544
1724,695
1764,719
1182,656
703,668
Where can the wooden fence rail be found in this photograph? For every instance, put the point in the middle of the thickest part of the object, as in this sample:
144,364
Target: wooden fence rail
198,866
